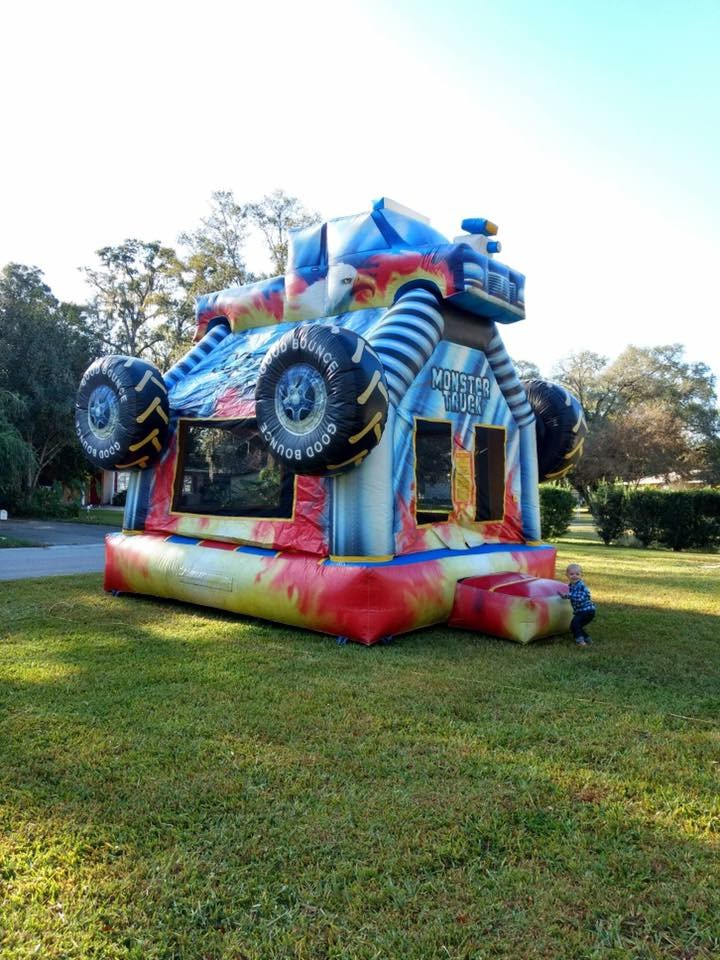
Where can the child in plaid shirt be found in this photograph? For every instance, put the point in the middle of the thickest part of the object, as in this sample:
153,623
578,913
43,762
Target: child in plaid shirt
583,607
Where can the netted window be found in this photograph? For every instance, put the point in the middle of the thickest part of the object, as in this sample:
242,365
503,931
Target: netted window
433,471
489,473
225,469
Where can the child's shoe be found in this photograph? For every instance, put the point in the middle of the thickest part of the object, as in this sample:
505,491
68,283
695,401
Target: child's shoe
580,642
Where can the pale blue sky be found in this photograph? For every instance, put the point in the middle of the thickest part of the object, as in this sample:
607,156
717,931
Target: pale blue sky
587,130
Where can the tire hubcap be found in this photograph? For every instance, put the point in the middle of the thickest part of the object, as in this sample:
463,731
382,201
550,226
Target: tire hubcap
103,412
300,399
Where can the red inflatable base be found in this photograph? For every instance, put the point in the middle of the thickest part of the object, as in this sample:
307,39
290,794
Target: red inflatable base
516,606
362,601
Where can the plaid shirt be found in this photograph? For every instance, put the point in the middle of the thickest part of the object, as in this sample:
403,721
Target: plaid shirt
580,597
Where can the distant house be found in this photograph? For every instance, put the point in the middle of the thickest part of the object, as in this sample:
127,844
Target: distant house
104,486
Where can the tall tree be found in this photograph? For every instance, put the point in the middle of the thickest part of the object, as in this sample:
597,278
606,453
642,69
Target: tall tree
649,413
17,459
44,353
274,216
215,250
526,370
136,298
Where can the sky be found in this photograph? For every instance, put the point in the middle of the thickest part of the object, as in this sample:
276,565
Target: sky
588,131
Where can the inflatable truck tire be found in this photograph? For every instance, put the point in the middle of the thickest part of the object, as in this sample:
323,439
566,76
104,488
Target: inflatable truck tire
560,427
321,399
122,413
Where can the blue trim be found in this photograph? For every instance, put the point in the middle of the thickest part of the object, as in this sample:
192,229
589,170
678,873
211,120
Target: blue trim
442,554
402,561
194,541
389,233
257,551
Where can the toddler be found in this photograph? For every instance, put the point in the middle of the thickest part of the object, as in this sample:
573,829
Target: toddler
583,607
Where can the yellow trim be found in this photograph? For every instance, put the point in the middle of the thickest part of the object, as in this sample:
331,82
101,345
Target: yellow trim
373,423
463,481
149,376
142,463
338,559
358,458
149,409
141,443
199,421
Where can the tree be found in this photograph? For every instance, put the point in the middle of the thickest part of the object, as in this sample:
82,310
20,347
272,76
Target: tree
17,459
526,370
136,307
45,351
215,258
274,216
649,412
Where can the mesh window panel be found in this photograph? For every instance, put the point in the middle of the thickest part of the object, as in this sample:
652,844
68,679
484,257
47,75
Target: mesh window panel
225,469
489,473
433,471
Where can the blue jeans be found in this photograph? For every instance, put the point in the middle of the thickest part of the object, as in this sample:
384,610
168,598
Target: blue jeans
579,621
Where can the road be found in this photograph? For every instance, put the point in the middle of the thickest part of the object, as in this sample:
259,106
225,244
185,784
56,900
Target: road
62,548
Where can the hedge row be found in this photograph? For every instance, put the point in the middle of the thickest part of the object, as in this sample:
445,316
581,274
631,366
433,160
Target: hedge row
677,519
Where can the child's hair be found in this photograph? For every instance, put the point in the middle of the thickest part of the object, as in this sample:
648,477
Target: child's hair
574,567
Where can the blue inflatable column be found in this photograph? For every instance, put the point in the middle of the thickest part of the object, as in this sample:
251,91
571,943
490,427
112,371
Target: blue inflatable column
516,398
362,502
138,491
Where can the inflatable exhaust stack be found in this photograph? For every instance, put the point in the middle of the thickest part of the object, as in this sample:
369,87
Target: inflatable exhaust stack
346,448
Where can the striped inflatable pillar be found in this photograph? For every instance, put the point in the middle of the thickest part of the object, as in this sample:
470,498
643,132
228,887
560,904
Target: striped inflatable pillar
406,337
196,355
516,398
140,484
362,502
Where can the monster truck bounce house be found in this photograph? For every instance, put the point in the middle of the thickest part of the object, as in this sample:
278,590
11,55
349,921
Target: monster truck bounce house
347,447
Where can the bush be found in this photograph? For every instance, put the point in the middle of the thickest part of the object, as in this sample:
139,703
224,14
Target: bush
557,506
677,520
119,498
707,517
607,505
643,511
48,503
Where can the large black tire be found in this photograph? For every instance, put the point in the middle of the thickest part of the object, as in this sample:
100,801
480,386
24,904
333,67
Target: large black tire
122,413
321,399
560,427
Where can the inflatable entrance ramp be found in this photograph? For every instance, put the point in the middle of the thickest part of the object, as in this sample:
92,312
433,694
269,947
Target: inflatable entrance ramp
516,606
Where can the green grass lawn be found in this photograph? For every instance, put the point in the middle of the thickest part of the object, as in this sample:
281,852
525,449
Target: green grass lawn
177,783
15,542
112,516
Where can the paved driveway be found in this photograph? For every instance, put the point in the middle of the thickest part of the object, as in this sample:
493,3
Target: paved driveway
62,548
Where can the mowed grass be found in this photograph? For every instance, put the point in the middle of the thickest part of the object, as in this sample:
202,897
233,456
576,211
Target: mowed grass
177,783
7,542
105,516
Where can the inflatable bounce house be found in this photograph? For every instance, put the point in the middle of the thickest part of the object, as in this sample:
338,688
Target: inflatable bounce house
347,448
